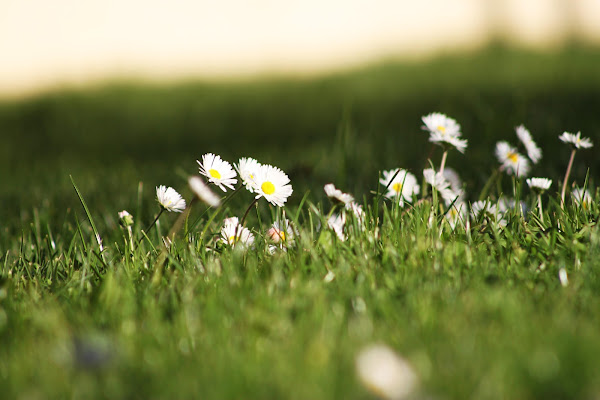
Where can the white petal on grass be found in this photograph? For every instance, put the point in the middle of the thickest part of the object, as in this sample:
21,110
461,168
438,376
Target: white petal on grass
272,184
533,151
217,171
563,277
337,195
233,233
203,191
403,186
247,168
384,373
576,140
512,161
539,184
169,199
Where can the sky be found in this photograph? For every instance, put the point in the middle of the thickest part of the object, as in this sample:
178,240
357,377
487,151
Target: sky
50,44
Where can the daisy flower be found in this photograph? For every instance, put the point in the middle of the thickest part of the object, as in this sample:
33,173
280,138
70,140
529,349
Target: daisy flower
438,123
457,214
217,171
506,204
460,144
232,233
169,199
272,184
511,160
203,191
581,197
403,185
456,184
539,184
125,219
358,212
337,195
336,223
533,151
384,373
482,207
282,232
246,168
437,180
576,140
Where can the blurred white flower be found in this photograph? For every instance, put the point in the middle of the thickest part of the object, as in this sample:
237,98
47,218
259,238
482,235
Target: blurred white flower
282,232
384,373
272,184
437,180
337,195
203,191
576,140
247,168
533,151
217,171
581,197
457,214
233,233
125,218
563,277
539,184
456,184
443,129
481,207
169,199
511,160
403,186
336,223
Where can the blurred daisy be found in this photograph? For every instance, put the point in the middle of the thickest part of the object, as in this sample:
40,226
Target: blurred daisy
457,214
438,123
581,197
233,233
336,223
169,199
272,184
384,373
460,144
125,219
282,232
506,204
358,212
401,184
217,171
247,168
533,151
576,140
437,180
511,160
203,191
539,184
337,195
483,207
456,184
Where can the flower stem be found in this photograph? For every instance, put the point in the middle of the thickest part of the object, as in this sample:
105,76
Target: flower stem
443,163
540,207
247,211
564,185
152,224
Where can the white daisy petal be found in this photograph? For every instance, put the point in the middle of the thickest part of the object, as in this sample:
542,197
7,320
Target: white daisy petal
576,141
512,161
232,233
337,195
203,191
533,151
400,184
247,169
169,199
336,223
217,171
581,197
272,184
540,184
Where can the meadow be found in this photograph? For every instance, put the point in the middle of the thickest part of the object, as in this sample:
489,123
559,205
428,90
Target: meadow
481,311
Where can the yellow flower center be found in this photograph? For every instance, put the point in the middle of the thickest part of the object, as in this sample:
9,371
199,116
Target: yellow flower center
281,235
514,157
441,128
397,187
231,239
214,173
268,188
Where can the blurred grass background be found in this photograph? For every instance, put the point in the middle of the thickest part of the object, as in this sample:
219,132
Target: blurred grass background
342,127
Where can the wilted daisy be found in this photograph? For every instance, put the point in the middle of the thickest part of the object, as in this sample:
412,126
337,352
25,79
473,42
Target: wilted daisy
581,197
539,184
336,222
511,160
533,151
247,168
233,233
337,195
169,199
272,184
217,171
203,191
384,373
282,232
401,184
576,140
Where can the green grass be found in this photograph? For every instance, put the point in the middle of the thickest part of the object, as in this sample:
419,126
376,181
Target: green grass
479,313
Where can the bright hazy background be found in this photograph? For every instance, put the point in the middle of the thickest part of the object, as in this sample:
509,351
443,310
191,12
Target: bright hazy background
48,44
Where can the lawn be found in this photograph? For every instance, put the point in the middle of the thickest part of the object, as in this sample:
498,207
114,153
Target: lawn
478,311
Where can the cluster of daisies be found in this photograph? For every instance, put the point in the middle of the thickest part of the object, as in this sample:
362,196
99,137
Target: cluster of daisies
399,185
